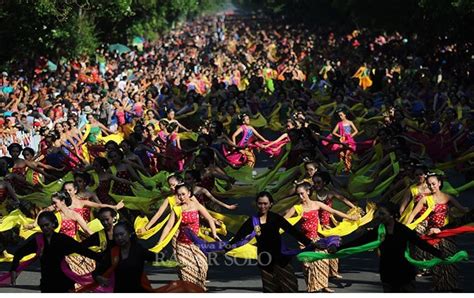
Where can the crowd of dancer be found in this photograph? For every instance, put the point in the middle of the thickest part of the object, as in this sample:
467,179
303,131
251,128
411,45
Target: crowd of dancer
101,153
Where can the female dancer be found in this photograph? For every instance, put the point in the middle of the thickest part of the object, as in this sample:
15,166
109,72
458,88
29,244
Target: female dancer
126,261
363,75
310,167
104,178
83,180
245,156
73,136
95,129
206,147
441,201
396,273
133,159
70,144
20,167
131,261
175,160
120,111
187,253
8,201
28,154
57,157
83,205
316,273
92,134
51,248
345,130
276,269
151,118
124,171
326,196
6,189
70,219
445,277
193,177
73,129
273,148
169,202
209,173
170,116
103,239
420,187
219,142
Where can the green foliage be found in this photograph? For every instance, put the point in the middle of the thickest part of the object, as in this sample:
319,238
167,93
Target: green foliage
70,28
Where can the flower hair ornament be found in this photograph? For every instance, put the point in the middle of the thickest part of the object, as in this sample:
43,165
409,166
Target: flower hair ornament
435,173
242,116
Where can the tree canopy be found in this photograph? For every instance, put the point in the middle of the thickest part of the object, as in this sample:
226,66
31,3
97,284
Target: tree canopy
69,28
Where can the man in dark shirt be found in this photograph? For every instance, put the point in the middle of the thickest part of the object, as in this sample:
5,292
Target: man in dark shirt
396,273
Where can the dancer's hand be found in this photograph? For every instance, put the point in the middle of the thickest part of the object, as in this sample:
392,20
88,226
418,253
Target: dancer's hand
218,222
354,217
216,237
434,231
232,207
120,205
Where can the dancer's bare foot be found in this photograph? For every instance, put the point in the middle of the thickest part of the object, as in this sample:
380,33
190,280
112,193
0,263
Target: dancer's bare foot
328,290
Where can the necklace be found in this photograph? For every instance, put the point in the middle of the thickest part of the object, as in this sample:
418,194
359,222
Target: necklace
322,198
